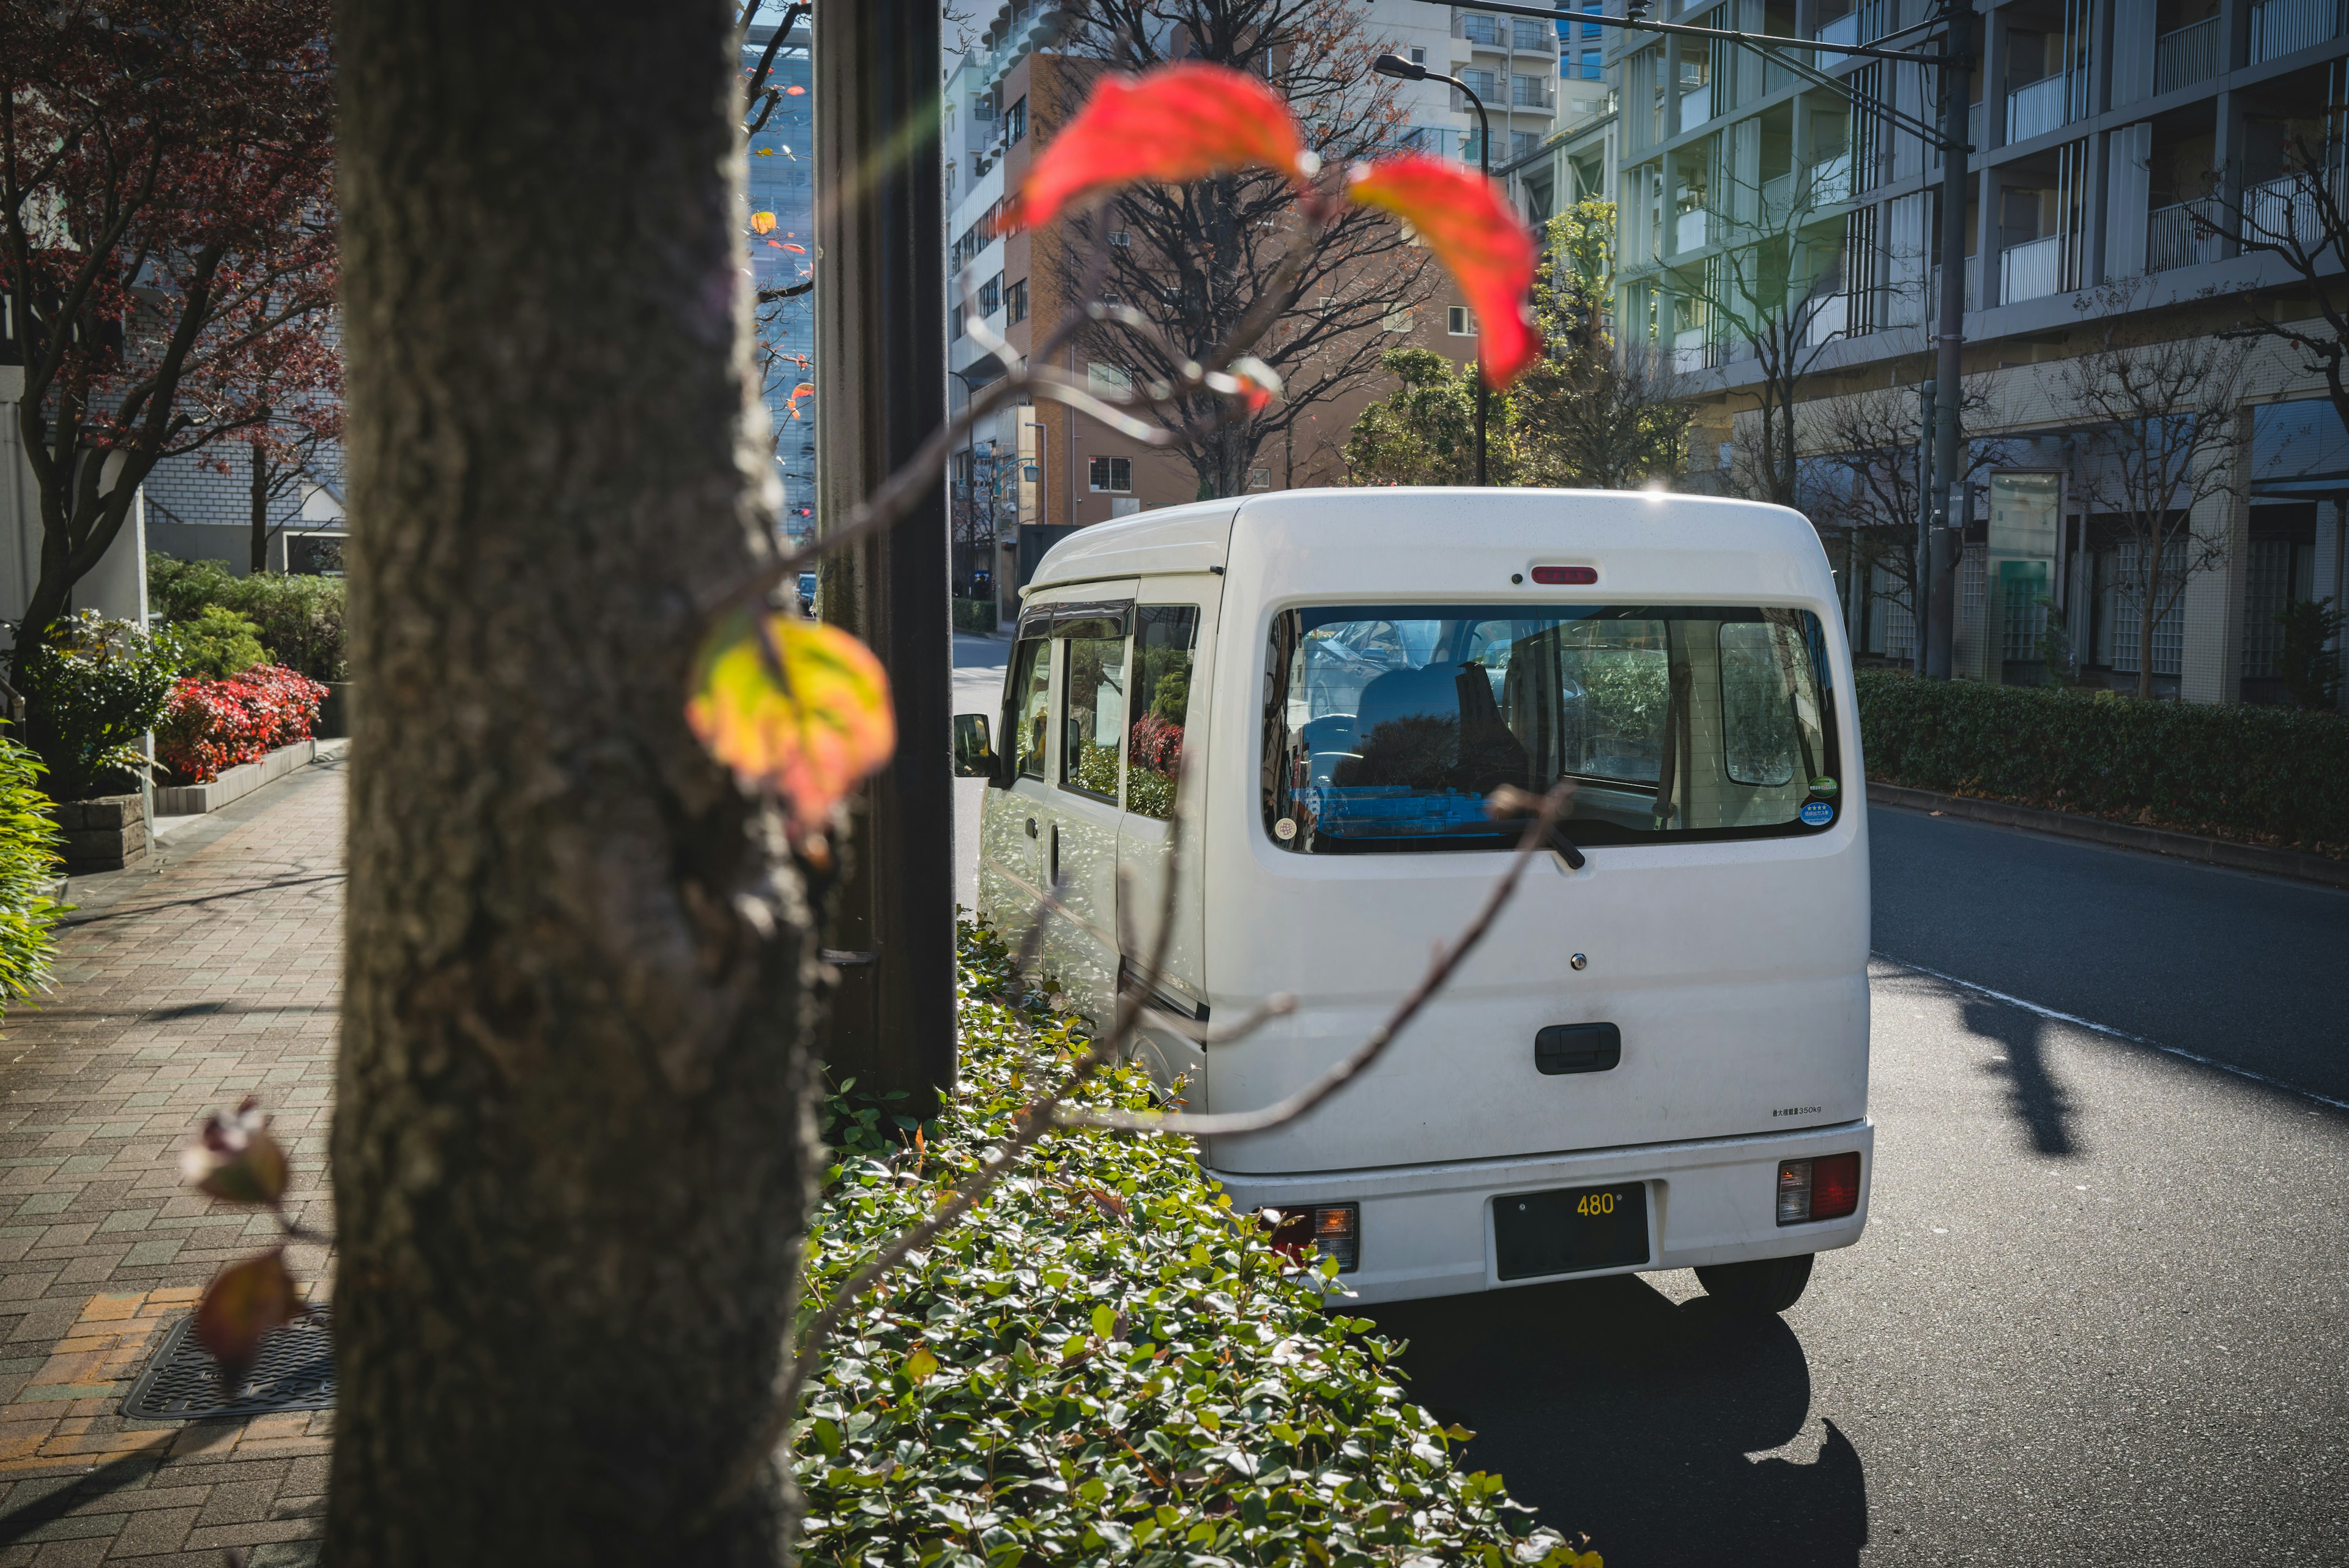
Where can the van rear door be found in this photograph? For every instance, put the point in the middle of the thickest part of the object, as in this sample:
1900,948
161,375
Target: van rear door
1720,922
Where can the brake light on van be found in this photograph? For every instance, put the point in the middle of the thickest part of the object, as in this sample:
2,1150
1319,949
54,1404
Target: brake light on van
1329,1229
1826,1189
1577,576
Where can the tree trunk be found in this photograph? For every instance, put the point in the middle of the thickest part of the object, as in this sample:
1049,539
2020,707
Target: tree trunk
573,1149
259,496
2144,619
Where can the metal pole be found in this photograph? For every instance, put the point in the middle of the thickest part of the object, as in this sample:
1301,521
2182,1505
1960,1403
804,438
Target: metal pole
1484,168
881,390
1919,602
1948,468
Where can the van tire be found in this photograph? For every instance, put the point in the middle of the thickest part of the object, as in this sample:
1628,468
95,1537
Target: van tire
1765,1285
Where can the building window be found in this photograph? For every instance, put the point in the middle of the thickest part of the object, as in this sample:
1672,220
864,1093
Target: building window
1418,56
1460,321
1398,321
1526,34
1113,474
1014,302
1594,65
1522,142
1121,239
1481,29
1109,381
1015,123
990,296
1259,479
1482,83
1526,92
1592,29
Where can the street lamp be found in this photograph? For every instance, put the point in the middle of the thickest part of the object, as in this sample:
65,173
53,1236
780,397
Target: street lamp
1403,70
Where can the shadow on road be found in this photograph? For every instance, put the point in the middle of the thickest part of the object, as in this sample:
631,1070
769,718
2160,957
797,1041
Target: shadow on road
1617,1412
2035,1094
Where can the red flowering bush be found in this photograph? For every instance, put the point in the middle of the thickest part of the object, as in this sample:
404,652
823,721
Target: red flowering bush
216,724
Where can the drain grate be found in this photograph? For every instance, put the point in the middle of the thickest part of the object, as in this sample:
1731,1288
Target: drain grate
293,1371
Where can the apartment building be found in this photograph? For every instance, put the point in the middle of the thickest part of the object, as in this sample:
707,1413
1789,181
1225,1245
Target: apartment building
1033,472
2101,128
780,181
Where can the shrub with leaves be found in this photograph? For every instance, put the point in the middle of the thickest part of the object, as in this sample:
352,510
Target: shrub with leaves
217,724
1103,1361
93,688
2270,775
299,617
219,642
29,841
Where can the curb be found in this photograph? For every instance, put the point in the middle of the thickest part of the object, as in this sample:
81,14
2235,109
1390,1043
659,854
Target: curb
2222,852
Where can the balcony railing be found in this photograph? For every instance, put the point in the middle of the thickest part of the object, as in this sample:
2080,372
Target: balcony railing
2174,237
2035,109
2280,27
2188,55
2286,209
1829,320
1696,105
1689,351
1973,290
1844,29
2031,271
1689,230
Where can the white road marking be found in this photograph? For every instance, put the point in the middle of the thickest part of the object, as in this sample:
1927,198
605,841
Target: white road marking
2108,1031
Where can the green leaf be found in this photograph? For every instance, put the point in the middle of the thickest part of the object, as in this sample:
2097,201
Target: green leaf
1104,1319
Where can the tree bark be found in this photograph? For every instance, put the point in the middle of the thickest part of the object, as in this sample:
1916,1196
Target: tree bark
573,1148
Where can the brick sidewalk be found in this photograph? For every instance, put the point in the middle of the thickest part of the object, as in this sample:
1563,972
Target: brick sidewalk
179,988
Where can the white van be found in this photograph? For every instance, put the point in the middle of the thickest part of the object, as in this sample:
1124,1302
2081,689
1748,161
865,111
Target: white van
1658,1058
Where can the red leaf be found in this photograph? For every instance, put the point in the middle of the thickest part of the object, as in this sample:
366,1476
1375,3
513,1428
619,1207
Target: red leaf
245,1302
1168,126
1468,224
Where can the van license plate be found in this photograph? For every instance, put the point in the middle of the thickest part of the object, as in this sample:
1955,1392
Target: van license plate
1570,1231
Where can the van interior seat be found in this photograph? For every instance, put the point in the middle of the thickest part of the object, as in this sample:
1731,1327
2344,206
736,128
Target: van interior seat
1430,692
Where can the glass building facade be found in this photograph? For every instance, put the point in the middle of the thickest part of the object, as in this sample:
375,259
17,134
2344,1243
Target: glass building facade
782,182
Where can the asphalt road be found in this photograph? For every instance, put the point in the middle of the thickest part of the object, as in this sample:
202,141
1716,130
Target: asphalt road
2101,1312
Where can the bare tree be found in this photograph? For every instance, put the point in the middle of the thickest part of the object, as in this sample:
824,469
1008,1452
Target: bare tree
2302,219
2159,439
1865,483
1194,260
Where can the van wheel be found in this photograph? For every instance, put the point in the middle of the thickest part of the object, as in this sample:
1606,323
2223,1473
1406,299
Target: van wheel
1764,1285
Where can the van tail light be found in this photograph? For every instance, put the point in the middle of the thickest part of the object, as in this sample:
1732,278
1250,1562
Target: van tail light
1827,1188
1330,1229
1578,576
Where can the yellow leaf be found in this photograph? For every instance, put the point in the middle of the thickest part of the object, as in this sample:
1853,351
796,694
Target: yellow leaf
801,711
921,1365
763,223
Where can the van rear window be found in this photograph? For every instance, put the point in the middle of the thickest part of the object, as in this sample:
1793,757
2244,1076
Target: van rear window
1386,726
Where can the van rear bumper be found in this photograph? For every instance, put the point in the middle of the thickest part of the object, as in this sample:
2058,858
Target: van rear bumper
1427,1230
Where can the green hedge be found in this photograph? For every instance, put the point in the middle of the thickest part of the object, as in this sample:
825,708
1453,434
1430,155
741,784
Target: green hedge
1103,1363
29,856
299,617
2274,775
974,614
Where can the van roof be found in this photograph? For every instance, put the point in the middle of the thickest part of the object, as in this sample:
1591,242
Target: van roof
1453,523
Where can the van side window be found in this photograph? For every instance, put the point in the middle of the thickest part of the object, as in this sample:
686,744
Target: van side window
1769,720
1163,641
1029,705
1093,715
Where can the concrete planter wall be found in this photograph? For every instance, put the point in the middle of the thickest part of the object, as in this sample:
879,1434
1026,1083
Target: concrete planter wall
105,834
235,784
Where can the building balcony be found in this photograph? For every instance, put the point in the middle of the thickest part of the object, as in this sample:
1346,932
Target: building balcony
2033,270
2036,109
2176,236
2186,55
1696,105
2280,27
1973,290
1844,29
1690,230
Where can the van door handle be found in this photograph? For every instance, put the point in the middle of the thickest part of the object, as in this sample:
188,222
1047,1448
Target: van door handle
1031,827
1056,853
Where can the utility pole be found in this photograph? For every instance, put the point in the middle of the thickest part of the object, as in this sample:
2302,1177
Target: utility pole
880,374
1402,69
1919,572
1948,469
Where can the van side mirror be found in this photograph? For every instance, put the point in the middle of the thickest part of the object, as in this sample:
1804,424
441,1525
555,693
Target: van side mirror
973,757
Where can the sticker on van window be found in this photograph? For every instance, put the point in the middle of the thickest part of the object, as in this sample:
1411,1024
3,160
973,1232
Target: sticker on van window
1285,829
1817,812
1824,788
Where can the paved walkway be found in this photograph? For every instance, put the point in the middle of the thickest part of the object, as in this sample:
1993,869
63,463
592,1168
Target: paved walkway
181,987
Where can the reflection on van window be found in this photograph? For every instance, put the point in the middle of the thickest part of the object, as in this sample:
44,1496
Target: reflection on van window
1093,714
1387,727
1030,704
1162,696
